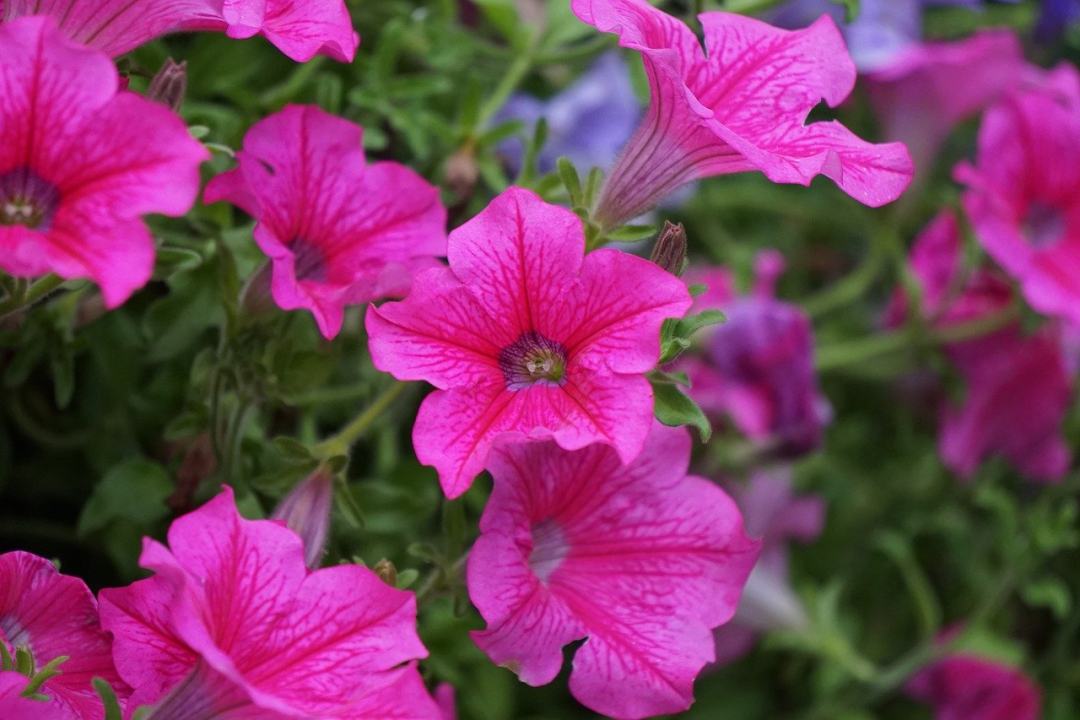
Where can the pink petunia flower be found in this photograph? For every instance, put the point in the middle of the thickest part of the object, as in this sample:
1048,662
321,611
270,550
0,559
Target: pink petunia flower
758,367
739,105
922,94
54,615
525,337
80,163
641,559
301,30
774,513
1023,193
1018,386
338,231
966,687
233,625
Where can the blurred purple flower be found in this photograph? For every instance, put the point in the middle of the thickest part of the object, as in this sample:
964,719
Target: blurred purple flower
758,366
773,512
1056,16
588,122
882,30
967,687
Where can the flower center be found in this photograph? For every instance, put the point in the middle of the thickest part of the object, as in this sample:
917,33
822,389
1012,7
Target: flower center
533,360
27,199
549,549
309,262
1044,225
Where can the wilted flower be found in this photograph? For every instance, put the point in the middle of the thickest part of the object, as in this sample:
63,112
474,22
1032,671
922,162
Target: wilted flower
233,625
669,251
640,559
1023,194
81,163
306,511
773,512
338,230
526,337
301,30
1018,386
967,687
588,122
758,366
54,615
740,105
169,85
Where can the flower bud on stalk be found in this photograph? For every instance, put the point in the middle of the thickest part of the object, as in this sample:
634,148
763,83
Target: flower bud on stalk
386,571
306,511
169,85
669,252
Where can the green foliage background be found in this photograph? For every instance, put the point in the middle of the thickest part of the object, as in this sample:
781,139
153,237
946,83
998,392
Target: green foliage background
112,423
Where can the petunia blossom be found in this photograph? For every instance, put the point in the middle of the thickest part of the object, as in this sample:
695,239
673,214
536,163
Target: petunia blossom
640,559
55,615
757,368
773,512
81,163
1023,194
526,338
968,687
301,30
739,105
233,625
930,87
1018,386
339,231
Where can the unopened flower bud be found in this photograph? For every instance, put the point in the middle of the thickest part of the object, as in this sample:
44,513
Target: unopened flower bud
257,299
169,85
462,171
669,252
386,572
306,511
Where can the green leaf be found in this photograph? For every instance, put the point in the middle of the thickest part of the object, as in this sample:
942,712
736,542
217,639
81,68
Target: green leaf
569,175
108,699
1049,592
673,409
134,491
631,233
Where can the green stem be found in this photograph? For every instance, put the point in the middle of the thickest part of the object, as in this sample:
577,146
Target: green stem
340,443
852,287
517,71
437,577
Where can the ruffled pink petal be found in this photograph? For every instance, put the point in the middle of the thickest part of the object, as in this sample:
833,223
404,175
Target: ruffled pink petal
56,615
405,698
337,230
933,86
743,107
456,429
641,559
612,318
240,598
301,30
520,258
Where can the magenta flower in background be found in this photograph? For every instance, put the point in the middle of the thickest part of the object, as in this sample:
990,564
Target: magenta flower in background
233,625
966,687
301,30
773,512
641,559
740,107
527,338
930,87
758,366
338,230
1018,386
55,615
1023,194
80,163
